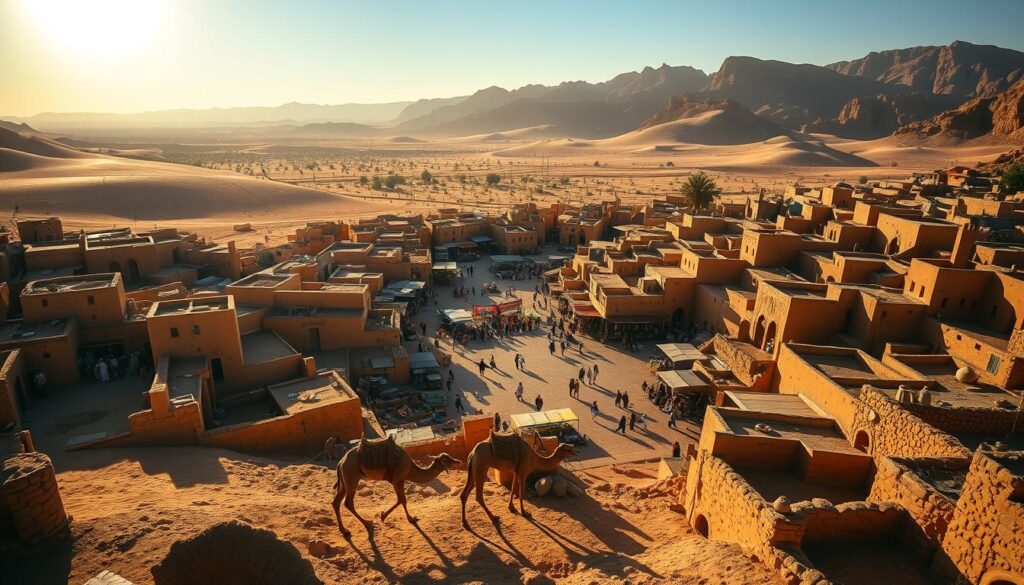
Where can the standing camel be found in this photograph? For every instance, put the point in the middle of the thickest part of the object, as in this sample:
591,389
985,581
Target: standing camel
509,453
382,460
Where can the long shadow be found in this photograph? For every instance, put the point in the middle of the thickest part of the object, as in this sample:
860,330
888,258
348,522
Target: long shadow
532,375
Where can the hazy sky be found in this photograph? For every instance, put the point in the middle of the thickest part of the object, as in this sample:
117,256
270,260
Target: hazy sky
135,55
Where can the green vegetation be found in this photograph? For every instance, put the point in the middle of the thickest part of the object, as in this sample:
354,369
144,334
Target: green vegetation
1013,178
393,181
426,177
700,191
377,183
493,178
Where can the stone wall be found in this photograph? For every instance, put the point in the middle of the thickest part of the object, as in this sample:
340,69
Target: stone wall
929,508
985,538
967,420
893,431
731,509
30,498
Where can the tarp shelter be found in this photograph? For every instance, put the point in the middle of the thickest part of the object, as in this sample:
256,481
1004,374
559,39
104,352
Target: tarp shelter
457,316
683,381
446,266
544,418
506,261
557,261
682,355
481,239
423,360
413,435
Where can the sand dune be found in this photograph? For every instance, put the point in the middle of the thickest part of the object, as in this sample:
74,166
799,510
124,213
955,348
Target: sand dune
92,187
712,127
404,140
519,134
886,150
801,151
30,143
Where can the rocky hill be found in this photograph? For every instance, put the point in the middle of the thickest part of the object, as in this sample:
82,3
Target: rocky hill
870,117
959,69
791,94
999,117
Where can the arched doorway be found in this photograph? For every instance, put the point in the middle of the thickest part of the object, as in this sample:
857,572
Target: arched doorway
176,255
133,271
862,441
769,338
1001,577
114,267
759,332
744,333
583,238
893,247
700,524
677,317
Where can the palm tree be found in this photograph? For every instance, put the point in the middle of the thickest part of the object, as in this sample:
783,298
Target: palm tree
700,191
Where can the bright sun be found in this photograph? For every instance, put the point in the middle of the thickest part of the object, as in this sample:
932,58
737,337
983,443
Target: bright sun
98,27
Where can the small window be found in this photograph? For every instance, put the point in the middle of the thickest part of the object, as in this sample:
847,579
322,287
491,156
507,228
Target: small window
195,330
993,364
977,346
174,331
91,299
922,291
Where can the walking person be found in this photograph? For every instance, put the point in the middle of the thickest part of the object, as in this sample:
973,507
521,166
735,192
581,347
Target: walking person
482,366
622,425
618,398
590,377
551,348
449,385
581,374
572,387
539,403
39,381
494,365
519,391
458,404
593,410
497,421
677,450
672,419
625,399
632,421
596,372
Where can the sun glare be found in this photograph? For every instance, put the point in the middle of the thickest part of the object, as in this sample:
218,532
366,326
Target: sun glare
98,28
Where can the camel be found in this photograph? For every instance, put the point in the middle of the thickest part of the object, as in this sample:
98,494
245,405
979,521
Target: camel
382,460
509,453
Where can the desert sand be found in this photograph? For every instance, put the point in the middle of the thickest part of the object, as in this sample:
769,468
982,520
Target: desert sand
129,506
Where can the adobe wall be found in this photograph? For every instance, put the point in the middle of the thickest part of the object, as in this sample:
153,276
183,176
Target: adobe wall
12,374
30,498
732,509
985,539
180,424
301,432
969,420
797,376
930,509
893,431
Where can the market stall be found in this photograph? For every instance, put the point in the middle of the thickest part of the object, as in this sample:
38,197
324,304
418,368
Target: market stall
562,423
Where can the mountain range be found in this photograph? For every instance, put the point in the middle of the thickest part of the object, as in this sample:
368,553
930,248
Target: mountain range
864,98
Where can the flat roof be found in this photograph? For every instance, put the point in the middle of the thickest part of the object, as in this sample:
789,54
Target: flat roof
70,283
20,331
306,394
788,404
263,346
815,437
